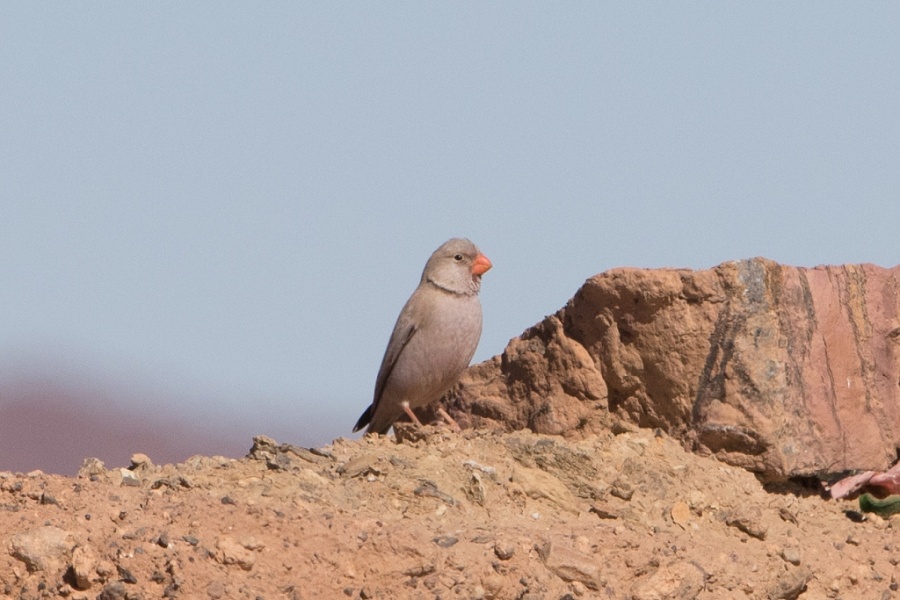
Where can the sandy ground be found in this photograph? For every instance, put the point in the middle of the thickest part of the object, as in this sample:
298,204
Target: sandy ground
440,515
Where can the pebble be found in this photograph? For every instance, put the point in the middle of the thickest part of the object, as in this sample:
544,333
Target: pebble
139,460
791,555
129,478
445,541
504,550
84,563
681,514
749,521
215,590
674,580
570,564
230,552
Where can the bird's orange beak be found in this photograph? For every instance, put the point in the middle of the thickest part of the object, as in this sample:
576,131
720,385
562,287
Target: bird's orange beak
481,264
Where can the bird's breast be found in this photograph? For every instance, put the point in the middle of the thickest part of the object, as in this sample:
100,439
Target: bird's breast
439,352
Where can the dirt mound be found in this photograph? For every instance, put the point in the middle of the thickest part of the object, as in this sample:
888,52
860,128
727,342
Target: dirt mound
437,515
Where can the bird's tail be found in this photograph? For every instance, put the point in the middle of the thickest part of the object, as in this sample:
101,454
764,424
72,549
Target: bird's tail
364,419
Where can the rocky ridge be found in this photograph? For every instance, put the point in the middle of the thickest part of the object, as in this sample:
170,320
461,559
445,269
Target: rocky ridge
439,515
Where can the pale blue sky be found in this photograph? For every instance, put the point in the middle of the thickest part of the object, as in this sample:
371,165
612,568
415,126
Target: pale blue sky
222,207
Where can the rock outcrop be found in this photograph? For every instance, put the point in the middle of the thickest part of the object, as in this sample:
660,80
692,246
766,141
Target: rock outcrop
786,371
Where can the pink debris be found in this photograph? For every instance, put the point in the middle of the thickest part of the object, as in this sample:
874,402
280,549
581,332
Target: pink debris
881,484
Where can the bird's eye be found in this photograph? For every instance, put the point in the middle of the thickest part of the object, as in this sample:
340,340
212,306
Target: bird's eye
457,257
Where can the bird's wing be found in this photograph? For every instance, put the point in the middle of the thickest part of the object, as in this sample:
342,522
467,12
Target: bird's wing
404,330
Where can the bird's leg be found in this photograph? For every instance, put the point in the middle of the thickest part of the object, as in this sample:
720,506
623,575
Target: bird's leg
411,414
453,424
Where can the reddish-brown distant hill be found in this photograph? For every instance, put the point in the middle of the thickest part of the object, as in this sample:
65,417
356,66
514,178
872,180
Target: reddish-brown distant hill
53,427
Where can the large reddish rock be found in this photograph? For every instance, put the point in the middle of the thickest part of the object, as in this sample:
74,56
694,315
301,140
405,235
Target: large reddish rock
785,371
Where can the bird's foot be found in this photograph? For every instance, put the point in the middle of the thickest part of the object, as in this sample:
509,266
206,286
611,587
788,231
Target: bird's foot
453,424
411,414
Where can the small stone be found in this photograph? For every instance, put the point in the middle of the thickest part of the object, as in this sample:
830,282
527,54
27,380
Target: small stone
429,489
139,461
681,580
42,549
361,465
173,482
129,478
504,550
48,499
230,552
445,541
855,516
215,590
280,462
749,521
622,490
492,585
125,575
251,543
113,591
681,514
137,534
475,489
857,573
791,555
570,564
791,585
90,468
420,570
788,516
105,569
603,513
84,564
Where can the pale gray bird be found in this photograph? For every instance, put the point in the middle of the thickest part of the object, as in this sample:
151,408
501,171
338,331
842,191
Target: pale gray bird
434,338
